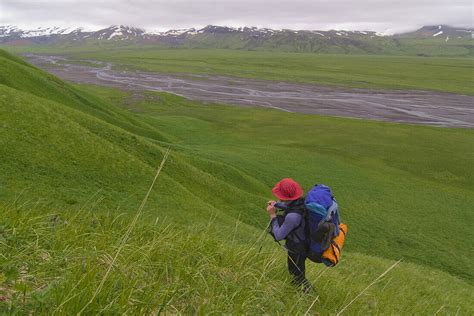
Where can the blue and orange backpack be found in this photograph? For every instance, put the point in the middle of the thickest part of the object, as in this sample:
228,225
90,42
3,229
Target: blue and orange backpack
323,228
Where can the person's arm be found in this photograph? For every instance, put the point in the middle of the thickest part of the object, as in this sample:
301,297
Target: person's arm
291,221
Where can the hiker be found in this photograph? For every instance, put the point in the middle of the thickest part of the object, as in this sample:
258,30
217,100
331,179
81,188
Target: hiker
291,227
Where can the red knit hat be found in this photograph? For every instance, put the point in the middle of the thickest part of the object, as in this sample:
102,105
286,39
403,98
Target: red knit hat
287,189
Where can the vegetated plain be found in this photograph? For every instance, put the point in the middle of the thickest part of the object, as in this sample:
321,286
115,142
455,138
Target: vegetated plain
447,74
360,71
77,160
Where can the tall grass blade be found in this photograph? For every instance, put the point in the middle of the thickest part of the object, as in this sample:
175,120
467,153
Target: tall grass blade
373,282
127,234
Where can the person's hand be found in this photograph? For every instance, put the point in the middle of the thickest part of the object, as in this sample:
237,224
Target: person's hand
271,209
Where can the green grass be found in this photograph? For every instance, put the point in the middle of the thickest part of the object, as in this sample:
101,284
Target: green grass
57,259
76,161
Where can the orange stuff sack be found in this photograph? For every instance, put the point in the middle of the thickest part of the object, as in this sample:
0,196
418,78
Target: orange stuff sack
332,255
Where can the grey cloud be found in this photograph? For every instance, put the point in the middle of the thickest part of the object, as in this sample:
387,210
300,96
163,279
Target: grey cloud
297,14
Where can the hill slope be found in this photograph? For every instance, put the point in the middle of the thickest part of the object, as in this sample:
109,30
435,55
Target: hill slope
75,165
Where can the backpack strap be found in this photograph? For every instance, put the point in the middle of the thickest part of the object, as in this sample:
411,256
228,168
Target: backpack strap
279,219
331,211
302,213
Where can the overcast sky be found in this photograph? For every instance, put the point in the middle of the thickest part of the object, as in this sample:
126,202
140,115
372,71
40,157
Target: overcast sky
377,15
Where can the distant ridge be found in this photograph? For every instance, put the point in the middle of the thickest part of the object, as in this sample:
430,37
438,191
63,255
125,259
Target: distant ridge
122,32
244,38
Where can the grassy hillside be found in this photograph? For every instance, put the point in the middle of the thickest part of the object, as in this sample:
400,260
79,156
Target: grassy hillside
57,259
76,162
309,42
405,181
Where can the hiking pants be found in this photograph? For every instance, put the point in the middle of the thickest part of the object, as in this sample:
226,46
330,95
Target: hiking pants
296,267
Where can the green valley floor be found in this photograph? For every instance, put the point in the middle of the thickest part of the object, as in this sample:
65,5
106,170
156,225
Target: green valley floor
76,162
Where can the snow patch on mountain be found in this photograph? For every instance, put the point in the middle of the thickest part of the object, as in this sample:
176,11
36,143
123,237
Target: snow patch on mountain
319,33
114,34
8,30
40,31
176,32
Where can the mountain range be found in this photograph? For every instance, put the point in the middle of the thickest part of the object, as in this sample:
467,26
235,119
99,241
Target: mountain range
248,38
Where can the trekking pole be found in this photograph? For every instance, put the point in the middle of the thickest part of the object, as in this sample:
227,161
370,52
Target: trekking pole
259,237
